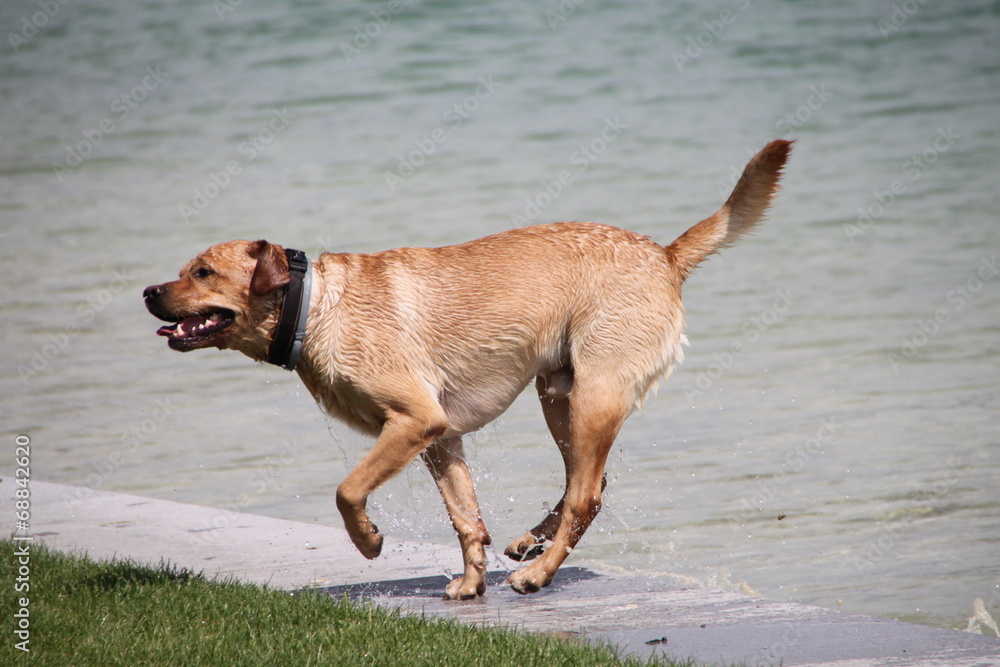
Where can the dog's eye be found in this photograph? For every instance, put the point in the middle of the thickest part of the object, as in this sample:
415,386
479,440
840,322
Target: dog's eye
203,272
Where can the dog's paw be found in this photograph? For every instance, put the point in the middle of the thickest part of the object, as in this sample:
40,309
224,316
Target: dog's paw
525,548
529,580
369,543
373,548
465,588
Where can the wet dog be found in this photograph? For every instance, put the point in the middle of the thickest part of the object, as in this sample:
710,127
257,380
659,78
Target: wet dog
418,346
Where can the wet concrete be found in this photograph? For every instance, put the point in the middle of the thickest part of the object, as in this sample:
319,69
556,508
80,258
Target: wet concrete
646,616
640,616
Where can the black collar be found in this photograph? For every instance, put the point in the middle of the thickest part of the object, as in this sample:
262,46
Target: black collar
287,342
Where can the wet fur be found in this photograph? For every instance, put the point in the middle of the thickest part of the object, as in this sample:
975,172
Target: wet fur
419,346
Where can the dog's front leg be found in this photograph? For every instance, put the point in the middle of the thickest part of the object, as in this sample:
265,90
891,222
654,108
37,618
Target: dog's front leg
404,436
446,462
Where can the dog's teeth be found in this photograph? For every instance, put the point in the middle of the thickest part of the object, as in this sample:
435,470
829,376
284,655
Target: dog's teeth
214,317
180,328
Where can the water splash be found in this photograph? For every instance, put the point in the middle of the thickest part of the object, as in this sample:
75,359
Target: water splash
980,617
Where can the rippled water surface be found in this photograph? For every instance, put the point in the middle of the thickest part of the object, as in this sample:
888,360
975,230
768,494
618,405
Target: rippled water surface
832,435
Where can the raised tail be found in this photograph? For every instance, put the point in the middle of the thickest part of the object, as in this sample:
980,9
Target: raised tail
739,215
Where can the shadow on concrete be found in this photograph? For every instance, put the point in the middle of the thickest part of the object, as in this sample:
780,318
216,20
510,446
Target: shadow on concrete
433,587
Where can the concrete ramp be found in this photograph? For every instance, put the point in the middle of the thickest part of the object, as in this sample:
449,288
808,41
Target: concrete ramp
641,616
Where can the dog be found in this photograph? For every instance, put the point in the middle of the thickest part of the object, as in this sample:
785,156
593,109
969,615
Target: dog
419,346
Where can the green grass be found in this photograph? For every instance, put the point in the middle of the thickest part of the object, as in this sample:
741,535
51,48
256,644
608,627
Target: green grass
121,613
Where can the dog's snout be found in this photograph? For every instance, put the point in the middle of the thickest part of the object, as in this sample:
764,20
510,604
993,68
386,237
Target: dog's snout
154,291
153,297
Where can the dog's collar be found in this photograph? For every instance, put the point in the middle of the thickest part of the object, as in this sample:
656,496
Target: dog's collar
287,343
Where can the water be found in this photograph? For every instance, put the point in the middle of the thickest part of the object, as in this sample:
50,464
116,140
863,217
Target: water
831,437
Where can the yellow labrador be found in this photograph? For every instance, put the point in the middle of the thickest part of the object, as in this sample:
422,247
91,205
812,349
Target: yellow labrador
419,346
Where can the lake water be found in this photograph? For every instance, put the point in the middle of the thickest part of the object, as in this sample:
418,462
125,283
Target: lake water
832,436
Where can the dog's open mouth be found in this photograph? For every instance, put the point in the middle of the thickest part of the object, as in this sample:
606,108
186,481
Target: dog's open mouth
196,331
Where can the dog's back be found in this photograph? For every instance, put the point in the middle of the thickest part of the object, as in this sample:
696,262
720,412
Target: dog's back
480,320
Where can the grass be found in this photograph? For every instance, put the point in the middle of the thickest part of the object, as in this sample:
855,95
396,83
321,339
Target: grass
121,613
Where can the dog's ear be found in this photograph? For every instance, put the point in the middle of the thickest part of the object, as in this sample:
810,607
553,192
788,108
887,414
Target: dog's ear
271,272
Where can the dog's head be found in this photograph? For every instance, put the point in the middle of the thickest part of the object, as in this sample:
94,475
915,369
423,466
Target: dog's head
227,297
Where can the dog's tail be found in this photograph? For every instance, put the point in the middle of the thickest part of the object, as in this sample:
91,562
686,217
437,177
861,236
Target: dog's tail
739,215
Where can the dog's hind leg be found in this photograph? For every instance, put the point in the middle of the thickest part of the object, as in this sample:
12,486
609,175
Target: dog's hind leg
556,411
446,462
597,407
